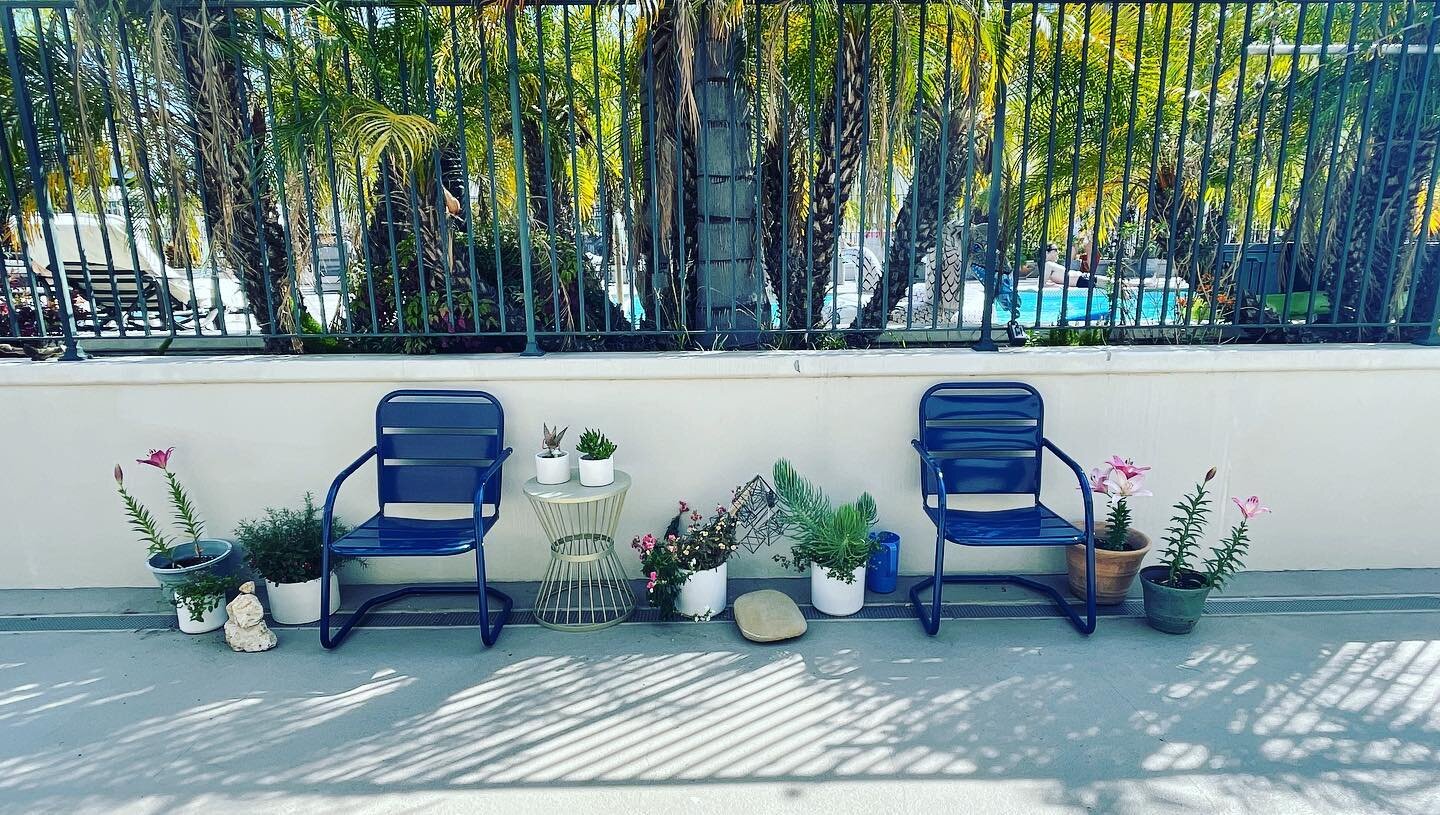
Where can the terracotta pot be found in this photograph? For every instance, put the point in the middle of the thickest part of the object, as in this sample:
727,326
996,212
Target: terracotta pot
1114,571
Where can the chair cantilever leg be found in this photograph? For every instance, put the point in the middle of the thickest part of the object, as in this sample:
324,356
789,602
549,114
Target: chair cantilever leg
930,621
325,641
488,633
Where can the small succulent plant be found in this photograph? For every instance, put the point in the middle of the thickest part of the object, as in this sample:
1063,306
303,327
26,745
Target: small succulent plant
550,440
594,446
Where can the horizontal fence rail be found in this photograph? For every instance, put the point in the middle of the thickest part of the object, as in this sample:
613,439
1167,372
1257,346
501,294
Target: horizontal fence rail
461,176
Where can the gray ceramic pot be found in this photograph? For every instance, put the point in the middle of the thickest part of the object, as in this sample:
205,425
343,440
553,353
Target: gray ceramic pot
215,552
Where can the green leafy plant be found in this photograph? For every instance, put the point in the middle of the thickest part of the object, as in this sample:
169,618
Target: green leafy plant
1182,541
594,445
550,438
285,545
202,592
836,539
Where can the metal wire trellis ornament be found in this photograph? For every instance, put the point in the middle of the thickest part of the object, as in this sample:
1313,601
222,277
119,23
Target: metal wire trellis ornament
757,523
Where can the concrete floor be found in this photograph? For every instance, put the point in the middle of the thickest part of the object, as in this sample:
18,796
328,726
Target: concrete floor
1336,713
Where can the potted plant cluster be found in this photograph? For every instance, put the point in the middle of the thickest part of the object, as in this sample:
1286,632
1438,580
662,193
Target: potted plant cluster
171,562
199,600
597,459
1176,589
1119,547
833,542
687,573
284,547
552,465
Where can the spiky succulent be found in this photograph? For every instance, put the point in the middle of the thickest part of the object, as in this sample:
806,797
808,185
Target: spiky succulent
550,439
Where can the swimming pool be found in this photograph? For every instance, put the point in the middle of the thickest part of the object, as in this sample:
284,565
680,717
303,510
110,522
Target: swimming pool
1076,305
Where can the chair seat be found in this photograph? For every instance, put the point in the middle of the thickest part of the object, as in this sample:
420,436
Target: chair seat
381,536
1026,526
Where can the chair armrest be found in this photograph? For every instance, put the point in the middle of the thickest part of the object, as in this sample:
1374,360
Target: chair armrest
329,516
934,466
490,472
1084,483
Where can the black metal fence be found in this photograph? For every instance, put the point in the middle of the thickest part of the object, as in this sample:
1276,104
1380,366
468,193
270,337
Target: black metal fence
357,175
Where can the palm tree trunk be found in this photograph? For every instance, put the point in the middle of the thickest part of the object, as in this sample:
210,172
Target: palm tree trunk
238,201
918,222
840,153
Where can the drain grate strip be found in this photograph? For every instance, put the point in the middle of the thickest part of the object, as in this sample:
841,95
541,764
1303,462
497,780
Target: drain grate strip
1225,606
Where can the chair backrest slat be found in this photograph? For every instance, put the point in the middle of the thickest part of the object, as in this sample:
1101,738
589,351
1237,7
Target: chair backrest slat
985,435
433,446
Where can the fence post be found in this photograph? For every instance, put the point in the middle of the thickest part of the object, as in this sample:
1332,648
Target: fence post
992,224
522,198
59,286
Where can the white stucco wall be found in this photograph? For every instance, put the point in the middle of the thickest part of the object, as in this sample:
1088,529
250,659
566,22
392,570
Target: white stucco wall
1341,441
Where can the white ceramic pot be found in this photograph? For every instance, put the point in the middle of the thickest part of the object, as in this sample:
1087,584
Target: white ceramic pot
211,620
835,597
552,470
703,595
299,603
597,472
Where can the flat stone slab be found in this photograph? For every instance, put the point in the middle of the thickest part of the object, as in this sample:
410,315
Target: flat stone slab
768,616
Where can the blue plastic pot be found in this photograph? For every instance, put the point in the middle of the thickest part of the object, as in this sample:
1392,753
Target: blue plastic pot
884,566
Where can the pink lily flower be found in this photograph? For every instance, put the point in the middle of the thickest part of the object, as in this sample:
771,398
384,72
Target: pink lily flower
1250,507
684,507
158,458
650,586
1126,467
1099,482
1125,486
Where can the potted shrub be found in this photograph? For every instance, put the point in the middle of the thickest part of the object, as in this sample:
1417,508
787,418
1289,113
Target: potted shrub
688,573
1119,547
284,548
1176,590
833,542
597,459
171,563
552,465
199,600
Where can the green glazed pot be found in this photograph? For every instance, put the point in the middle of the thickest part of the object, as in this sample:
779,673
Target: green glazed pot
1172,610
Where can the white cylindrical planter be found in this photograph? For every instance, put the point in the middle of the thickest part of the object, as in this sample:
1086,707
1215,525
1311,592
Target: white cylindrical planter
836,597
299,603
597,472
211,620
552,470
703,595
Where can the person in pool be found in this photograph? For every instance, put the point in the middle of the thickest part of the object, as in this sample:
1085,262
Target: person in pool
1057,274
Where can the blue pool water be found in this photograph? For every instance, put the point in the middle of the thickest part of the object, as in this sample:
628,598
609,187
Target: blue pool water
1078,304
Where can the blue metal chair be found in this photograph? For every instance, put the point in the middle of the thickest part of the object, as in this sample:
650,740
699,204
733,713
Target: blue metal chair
431,447
987,438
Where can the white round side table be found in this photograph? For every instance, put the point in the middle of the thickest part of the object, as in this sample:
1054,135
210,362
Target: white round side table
585,588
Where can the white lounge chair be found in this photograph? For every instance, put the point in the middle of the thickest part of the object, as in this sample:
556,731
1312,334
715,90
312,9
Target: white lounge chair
119,293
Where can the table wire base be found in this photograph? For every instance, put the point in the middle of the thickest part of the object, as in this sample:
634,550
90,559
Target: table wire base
584,588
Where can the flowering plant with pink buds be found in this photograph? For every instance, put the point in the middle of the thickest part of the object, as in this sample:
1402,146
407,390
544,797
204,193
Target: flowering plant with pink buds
691,544
1118,479
144,524
1182,540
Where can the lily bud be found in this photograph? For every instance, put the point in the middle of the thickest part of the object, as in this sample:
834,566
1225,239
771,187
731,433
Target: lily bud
1210,476
119,475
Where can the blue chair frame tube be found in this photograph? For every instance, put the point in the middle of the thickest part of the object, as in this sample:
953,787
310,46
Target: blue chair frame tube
489,632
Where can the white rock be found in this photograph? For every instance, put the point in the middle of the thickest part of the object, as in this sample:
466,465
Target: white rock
246,629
